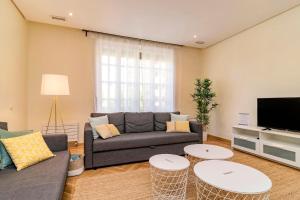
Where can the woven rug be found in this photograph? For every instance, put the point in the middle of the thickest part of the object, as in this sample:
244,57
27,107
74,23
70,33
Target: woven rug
130,185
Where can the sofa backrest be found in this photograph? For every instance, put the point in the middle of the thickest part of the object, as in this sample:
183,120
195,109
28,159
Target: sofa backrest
138,122
160,119
3,125
114,118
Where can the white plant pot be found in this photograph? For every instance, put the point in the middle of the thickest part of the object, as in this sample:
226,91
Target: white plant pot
204,136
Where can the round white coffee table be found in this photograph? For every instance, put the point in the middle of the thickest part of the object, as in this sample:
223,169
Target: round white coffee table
199,152
219,179
168,176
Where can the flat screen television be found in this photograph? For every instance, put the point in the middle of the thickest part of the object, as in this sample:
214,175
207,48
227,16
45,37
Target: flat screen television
279,113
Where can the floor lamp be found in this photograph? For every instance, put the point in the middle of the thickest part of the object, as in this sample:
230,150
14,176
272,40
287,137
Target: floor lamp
55,85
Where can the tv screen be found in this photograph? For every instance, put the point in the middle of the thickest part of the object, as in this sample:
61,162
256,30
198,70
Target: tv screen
279,113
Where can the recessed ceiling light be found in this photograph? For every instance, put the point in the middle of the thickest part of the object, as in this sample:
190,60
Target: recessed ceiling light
195,36
70,14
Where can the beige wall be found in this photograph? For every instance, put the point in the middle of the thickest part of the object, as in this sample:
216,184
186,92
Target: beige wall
13,41
260,62
188,68
263,61
58,50
54,49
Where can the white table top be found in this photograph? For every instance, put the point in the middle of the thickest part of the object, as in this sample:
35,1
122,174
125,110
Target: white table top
232,177
208,152
169,162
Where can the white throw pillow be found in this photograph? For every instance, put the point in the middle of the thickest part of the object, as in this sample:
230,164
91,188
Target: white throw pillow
175,117
95,121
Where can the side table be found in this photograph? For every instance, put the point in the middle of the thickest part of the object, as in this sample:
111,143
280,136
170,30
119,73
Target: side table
199,152
225,180
169,175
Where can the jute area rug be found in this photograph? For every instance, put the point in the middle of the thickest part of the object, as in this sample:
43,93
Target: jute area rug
130,185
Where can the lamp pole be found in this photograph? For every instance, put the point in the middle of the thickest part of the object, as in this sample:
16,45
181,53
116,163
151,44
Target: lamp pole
55,113
55,109
55,85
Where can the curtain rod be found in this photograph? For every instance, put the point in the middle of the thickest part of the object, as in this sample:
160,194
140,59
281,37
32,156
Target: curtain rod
90,31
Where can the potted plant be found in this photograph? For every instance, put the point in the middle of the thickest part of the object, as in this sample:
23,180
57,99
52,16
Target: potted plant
204,98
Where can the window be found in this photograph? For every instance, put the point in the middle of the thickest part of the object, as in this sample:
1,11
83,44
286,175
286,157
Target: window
132,76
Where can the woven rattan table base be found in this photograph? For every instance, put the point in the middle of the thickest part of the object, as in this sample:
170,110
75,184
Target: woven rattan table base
193,161
168,185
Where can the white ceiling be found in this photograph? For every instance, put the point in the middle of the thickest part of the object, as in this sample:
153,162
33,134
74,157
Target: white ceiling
171,21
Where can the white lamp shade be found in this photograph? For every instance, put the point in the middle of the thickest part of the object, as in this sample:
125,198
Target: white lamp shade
55,84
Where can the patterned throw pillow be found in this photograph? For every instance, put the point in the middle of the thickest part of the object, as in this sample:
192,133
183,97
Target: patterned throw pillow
27,150
175,117
178,126
107,130
95,121
113,129
5,159
103,131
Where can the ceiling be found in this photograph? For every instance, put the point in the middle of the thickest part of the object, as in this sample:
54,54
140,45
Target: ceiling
171,21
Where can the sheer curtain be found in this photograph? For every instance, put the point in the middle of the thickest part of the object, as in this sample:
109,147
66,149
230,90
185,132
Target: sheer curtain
133,76
157,77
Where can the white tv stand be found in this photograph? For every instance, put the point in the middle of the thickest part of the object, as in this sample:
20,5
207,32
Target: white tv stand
280,146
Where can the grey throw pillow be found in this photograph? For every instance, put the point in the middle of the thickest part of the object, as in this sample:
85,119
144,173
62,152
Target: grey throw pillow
95,121
175,117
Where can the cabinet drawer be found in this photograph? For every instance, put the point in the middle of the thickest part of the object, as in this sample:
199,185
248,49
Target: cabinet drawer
245,144
277,153
280,153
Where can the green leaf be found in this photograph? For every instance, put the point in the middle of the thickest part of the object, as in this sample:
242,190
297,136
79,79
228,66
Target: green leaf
203,96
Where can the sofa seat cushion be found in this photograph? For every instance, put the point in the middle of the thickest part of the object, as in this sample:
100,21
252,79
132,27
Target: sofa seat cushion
146,139
139,122
44,180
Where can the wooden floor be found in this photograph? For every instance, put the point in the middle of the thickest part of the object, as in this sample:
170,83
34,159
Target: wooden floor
286,180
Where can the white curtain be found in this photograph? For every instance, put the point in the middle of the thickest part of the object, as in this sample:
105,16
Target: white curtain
157,77
132,76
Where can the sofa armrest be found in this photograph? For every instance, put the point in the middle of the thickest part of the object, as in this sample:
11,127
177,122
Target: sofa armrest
57,142
196,127
3,125
88,146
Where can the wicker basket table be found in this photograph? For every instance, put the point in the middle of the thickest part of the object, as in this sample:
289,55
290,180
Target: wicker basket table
169,175
76,167
225,180
200,152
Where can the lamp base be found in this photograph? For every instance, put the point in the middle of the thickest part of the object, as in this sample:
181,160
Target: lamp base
56,114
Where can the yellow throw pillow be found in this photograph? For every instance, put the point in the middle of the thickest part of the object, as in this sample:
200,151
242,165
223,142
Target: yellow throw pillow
171,127
178,126
113,129
27,150
107,130
182,126
103,131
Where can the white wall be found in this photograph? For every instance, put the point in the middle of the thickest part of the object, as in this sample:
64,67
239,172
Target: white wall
263,61
13,53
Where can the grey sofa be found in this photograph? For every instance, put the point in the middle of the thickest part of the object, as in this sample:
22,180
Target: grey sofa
142,135
43,181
